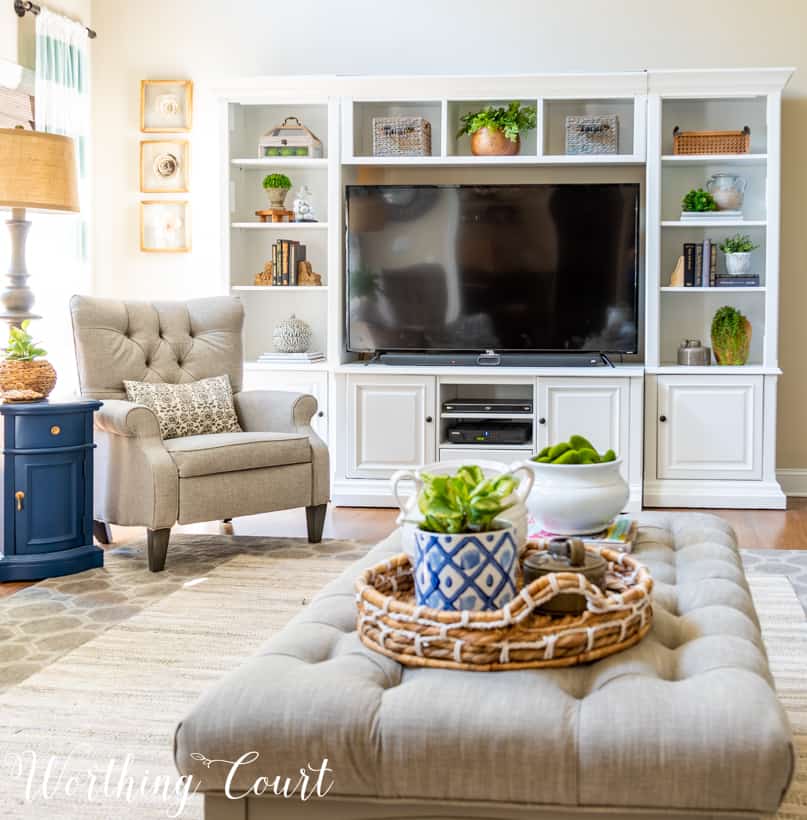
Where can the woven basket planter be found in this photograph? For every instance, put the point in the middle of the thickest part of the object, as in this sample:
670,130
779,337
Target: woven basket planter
37,375
515,637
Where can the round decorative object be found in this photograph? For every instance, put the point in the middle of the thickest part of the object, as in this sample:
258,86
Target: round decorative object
277,196
167,104
738,264
574,499
35,375
292,335
165,165
491,142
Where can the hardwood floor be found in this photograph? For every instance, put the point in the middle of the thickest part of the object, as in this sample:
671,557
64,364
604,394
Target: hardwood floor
756,529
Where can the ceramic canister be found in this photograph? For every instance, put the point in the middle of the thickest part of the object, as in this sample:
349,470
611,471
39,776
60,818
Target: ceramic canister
474,571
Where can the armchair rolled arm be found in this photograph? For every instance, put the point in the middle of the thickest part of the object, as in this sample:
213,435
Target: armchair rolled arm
275,411
125,418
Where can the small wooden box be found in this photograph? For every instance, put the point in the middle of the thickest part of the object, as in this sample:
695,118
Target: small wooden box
290,139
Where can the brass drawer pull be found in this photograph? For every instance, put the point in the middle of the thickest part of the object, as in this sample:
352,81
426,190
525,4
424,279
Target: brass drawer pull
55,430
19,495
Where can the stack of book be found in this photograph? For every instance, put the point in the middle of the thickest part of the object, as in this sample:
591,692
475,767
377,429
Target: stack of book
724,280
286,255
700,263
297,358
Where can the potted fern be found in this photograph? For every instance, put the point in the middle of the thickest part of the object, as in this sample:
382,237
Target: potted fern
496,131
277,187
466,557
731,336
737,250
23,368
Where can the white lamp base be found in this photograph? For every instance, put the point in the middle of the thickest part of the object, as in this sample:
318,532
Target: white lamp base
17,298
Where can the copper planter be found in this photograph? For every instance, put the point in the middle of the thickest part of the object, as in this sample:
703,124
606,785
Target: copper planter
488,142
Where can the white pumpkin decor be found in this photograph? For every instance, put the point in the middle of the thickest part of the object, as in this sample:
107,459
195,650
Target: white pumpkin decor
292,335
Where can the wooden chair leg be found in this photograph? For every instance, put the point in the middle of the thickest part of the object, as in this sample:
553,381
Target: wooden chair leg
157,545
315,521
102,532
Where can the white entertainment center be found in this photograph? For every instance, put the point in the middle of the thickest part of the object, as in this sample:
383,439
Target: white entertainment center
688,436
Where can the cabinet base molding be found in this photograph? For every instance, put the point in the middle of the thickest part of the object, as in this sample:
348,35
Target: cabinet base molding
753,495
36,566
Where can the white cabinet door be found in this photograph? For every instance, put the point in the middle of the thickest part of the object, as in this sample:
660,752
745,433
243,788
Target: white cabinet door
294,381
709,427
596,408
391,424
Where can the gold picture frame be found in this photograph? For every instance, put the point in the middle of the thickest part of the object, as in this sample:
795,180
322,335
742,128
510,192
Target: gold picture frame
165,226
165,166
166,106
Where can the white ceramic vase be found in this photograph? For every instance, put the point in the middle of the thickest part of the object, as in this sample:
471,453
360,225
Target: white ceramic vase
575,499
516,514
738,264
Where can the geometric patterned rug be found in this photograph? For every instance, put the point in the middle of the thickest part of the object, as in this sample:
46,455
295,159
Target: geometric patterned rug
790,563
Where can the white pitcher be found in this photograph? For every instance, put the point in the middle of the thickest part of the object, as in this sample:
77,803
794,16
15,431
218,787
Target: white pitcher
410,514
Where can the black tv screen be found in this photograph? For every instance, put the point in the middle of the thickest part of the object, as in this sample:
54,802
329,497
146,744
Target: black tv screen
493,267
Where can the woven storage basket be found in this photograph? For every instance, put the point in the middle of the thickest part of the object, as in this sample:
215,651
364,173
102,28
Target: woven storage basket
516,637
592,135
711,142
402,137
37,375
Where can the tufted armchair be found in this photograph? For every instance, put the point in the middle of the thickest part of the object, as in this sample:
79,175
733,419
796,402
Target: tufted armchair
277,463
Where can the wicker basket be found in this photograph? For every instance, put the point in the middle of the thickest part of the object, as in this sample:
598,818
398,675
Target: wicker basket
592,135
402,137
35,375
711,142
516,637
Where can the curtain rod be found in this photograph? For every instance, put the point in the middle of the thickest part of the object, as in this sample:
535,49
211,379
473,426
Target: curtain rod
23,6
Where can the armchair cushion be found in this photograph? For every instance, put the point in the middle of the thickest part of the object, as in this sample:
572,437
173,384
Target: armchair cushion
229,452
188,409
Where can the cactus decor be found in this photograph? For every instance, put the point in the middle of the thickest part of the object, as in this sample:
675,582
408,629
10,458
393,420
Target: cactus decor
731,336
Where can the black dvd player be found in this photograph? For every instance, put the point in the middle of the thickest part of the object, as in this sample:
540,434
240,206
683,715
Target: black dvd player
494,432
492,406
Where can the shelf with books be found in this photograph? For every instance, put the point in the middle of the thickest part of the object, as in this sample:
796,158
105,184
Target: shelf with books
714,289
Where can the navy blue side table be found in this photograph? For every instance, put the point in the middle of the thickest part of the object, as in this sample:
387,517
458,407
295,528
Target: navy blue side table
46,507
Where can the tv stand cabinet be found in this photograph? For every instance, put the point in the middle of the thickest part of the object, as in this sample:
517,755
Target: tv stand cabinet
691,437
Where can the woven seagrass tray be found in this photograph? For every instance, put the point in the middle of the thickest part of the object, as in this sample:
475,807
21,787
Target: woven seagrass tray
515,637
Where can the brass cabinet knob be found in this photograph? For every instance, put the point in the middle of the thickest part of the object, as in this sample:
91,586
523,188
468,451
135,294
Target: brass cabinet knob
55,430
19,495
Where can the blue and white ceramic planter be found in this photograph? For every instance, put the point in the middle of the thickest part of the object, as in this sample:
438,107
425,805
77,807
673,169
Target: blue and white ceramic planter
476,571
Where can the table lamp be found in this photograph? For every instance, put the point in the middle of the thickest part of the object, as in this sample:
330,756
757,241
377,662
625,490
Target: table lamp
38,171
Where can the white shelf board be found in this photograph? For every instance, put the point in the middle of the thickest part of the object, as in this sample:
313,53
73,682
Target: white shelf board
310,366
276,288
711,159
717,222
489,416
749,289
282,226
471,161
671,369
279,162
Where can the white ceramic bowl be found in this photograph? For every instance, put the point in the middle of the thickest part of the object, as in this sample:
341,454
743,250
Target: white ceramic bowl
410,515
575,499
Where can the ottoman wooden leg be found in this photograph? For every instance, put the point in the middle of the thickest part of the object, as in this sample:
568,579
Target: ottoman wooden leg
315,521
157,545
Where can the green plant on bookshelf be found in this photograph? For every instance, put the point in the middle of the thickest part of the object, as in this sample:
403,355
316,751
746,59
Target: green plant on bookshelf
495,130
731,336
739,243
738,249
698,201
277,187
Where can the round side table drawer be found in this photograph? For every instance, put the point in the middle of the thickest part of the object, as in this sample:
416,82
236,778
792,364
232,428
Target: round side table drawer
34,432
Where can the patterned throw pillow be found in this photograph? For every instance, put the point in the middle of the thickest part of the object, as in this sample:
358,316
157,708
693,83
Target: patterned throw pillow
189,409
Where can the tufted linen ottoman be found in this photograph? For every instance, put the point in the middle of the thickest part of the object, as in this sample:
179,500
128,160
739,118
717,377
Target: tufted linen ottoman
685,724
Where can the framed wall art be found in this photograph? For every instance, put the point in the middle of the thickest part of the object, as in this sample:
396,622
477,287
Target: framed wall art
164,166
165,226
166,106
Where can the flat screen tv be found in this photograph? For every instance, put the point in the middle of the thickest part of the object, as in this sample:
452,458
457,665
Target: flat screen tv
493,267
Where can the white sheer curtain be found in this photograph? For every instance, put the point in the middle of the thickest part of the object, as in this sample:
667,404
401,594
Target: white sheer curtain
58,255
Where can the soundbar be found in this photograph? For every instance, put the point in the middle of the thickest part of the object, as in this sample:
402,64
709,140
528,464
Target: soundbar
491,359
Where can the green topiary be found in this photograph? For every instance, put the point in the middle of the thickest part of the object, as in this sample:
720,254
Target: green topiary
698,201
276,181
731,336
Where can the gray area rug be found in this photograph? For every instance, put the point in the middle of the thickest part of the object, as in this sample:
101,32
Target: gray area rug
790,563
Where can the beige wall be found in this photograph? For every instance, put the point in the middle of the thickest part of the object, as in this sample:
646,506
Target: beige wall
208,41
17,42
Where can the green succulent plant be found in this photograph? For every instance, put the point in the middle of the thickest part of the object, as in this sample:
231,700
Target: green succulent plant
730,336
739,243
512,120
276,181
577,450
21,345
699,201
463,502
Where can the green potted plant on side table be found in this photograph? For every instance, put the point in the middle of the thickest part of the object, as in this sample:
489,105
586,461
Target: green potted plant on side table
737,250
23,368
466,557
731,336
496,131
277,186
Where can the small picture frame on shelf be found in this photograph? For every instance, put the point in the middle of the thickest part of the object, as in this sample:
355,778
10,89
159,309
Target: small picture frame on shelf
166,106
165,226
164,166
